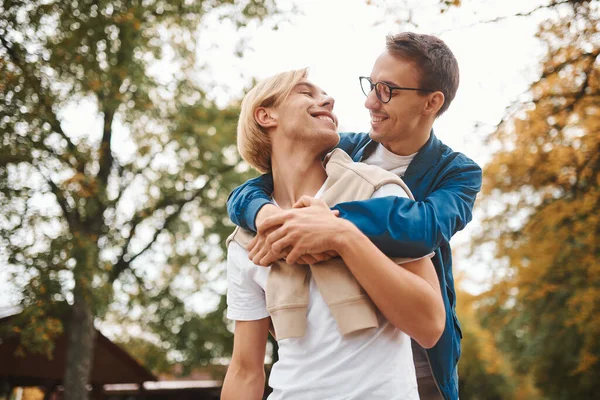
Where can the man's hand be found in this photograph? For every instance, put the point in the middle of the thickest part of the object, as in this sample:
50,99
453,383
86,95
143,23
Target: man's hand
266,211
258,249
306,233
261,251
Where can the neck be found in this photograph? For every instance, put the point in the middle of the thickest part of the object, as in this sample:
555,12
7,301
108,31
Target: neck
295,174
405,146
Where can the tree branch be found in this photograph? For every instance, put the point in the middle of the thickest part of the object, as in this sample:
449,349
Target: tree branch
44,101
503,17
559,67
123,264
106,156
72,216
574,96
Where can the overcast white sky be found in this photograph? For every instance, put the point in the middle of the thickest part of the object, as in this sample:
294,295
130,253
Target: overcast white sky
339,41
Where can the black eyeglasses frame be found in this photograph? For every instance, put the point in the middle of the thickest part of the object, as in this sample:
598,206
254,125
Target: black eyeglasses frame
390,87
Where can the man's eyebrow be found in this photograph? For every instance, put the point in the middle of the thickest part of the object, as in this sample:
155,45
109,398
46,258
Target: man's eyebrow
309,86
390,83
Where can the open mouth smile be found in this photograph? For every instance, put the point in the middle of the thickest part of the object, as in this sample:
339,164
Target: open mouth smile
325,116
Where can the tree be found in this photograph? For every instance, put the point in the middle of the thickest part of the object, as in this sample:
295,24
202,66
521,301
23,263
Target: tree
485,371
542,197
120,217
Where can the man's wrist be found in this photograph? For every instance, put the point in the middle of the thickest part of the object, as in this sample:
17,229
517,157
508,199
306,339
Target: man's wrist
347,237
264,212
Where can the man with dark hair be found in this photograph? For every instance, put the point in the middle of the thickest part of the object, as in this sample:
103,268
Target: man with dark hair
412,82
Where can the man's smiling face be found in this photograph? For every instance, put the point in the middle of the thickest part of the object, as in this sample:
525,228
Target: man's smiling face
397,119
306,115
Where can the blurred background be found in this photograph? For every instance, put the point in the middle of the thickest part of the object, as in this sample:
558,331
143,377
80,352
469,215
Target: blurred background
117,135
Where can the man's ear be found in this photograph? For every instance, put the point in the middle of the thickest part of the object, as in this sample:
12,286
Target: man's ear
434,103
265,117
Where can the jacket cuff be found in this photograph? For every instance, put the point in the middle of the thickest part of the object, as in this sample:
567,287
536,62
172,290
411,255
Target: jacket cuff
251,211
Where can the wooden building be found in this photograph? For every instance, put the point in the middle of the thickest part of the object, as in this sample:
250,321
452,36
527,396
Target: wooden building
115,374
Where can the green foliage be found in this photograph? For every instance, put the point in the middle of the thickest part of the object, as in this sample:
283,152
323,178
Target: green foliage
542,197
485,371
127,212
181,335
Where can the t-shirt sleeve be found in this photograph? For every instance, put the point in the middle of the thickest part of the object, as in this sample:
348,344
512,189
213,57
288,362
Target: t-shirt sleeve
245,297
390,190
398,191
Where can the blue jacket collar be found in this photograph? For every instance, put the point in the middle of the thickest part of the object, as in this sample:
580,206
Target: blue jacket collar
427,156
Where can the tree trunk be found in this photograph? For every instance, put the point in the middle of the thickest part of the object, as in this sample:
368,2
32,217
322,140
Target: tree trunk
80,350
81,334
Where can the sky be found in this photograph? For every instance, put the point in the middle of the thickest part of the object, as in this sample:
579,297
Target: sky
340,39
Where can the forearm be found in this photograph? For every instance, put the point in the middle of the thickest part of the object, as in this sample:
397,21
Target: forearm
410,302
247,200
240,383
401,227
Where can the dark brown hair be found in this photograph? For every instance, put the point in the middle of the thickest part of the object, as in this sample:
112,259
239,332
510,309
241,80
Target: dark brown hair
437,65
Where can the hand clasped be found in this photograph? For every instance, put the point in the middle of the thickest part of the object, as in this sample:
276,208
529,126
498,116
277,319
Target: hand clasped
305,234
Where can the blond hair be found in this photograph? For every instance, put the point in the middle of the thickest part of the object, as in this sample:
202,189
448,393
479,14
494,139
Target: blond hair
253,142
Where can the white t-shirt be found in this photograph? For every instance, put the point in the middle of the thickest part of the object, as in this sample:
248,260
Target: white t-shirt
389,161
375,364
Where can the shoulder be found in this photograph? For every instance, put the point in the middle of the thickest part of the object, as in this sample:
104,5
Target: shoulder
456,160
241,271
241,236
458,166
391,189
455,168
350,140
340,166
355,137
237,255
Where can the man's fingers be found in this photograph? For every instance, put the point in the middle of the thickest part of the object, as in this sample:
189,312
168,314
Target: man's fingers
336,212
275,235
252,243
279,246
253,247
332,253
293,256
272,221
258,244
260,254
269,259
306,259
253,252
302,260
304,201
321,257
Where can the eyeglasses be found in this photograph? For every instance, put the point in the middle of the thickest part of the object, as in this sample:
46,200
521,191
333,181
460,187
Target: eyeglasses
382,89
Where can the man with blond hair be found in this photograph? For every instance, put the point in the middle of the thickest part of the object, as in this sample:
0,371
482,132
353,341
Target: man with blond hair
412,82
343,326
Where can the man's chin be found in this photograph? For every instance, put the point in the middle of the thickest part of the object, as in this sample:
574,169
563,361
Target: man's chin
375,136
328,146
330,141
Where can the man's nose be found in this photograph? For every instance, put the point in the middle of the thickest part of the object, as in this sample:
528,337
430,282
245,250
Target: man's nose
327,102
372,102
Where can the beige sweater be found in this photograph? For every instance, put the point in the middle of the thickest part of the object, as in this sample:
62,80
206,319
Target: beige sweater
287,285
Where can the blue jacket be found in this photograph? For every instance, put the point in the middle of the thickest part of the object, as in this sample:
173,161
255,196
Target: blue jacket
445,184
